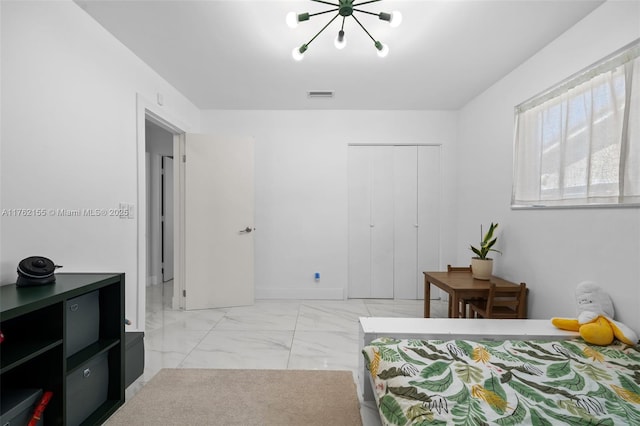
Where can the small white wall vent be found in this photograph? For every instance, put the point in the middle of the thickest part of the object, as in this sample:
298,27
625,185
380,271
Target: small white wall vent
326,94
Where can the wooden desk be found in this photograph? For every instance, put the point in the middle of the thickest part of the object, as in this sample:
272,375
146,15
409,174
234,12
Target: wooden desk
459,285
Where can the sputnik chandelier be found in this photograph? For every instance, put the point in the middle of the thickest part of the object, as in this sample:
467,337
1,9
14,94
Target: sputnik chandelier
344,9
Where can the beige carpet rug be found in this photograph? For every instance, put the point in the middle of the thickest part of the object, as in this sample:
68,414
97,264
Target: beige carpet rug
243,397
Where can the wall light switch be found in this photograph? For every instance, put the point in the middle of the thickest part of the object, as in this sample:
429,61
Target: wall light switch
131,211
126,211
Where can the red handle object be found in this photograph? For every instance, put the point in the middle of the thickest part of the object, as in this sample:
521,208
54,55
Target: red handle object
37,414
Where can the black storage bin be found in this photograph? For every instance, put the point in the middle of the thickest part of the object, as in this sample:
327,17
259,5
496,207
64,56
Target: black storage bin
18,405
133,356
82,322
87,389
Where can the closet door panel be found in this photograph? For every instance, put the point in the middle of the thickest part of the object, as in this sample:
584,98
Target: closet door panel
360,193
382,224
429,196
405,221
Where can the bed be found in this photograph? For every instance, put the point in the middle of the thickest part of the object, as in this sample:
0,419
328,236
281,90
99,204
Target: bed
467,379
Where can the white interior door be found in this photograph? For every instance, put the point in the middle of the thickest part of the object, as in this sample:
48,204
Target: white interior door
405,221
167,218
382,227
429,196
218,221
370,222
360,192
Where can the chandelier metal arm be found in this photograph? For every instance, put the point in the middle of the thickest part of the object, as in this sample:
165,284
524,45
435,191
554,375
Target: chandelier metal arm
366,11
364,2
363,28
328,2
323,28
323,12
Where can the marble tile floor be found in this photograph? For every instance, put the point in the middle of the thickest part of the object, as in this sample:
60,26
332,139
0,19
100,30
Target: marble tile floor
271,334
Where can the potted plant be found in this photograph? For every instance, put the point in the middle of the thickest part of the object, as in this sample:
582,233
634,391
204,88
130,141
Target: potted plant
481,265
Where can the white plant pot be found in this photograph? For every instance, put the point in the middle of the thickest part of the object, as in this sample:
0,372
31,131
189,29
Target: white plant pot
481,269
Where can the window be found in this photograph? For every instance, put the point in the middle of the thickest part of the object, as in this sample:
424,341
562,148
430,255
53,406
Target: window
578,144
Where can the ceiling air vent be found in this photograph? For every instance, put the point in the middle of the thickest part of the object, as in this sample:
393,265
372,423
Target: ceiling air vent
325,94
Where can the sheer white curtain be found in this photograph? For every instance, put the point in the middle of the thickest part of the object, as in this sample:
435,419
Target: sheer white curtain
579,143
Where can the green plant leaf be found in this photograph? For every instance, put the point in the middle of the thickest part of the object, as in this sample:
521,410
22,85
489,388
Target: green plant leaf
392,410
576,383
435,385
558,370
515,418
389,354
435,369
477,252
408,359
390,373
594,372
531,394
493,384
409,392
469,373
538,420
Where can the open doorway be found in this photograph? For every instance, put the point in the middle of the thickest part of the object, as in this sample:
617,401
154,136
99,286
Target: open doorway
159,214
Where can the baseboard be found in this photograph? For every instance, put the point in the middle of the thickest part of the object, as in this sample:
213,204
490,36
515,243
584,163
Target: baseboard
336,293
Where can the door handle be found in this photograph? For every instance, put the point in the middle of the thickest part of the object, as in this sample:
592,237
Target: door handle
246,230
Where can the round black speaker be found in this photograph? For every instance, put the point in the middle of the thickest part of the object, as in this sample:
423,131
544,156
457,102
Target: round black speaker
36,270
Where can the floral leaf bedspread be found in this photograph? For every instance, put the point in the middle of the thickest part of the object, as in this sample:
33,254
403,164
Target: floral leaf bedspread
462,382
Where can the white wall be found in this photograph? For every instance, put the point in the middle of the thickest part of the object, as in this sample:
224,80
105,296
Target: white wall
550,250
69,140
301,187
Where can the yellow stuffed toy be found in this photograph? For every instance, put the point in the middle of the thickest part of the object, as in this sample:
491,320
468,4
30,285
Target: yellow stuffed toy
595,318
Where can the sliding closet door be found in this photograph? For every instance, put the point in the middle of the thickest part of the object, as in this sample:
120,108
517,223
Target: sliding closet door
405,203
382,228
394,194
429,196
370,222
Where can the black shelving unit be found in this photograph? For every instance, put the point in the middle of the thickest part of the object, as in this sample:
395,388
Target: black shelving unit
34,354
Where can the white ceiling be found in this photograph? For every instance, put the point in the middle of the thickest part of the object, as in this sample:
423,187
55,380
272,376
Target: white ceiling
237,54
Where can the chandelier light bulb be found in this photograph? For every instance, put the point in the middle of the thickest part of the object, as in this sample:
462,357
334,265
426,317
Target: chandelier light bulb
298,52
383,49
396,19
340,42
292,19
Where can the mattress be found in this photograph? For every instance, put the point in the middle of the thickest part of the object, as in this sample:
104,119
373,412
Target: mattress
464,382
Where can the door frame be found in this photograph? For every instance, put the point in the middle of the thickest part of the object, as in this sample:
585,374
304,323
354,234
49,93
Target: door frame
165,185
147,110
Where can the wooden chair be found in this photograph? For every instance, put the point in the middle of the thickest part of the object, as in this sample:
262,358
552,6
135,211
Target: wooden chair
463,302
458,268
502,302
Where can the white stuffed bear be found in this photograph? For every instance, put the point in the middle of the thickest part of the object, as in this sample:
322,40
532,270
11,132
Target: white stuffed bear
595,321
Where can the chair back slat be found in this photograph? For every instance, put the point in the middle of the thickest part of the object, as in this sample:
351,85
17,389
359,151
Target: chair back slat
458,268
503,302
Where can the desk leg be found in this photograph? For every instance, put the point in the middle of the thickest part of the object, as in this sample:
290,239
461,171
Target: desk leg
454,305
427,298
